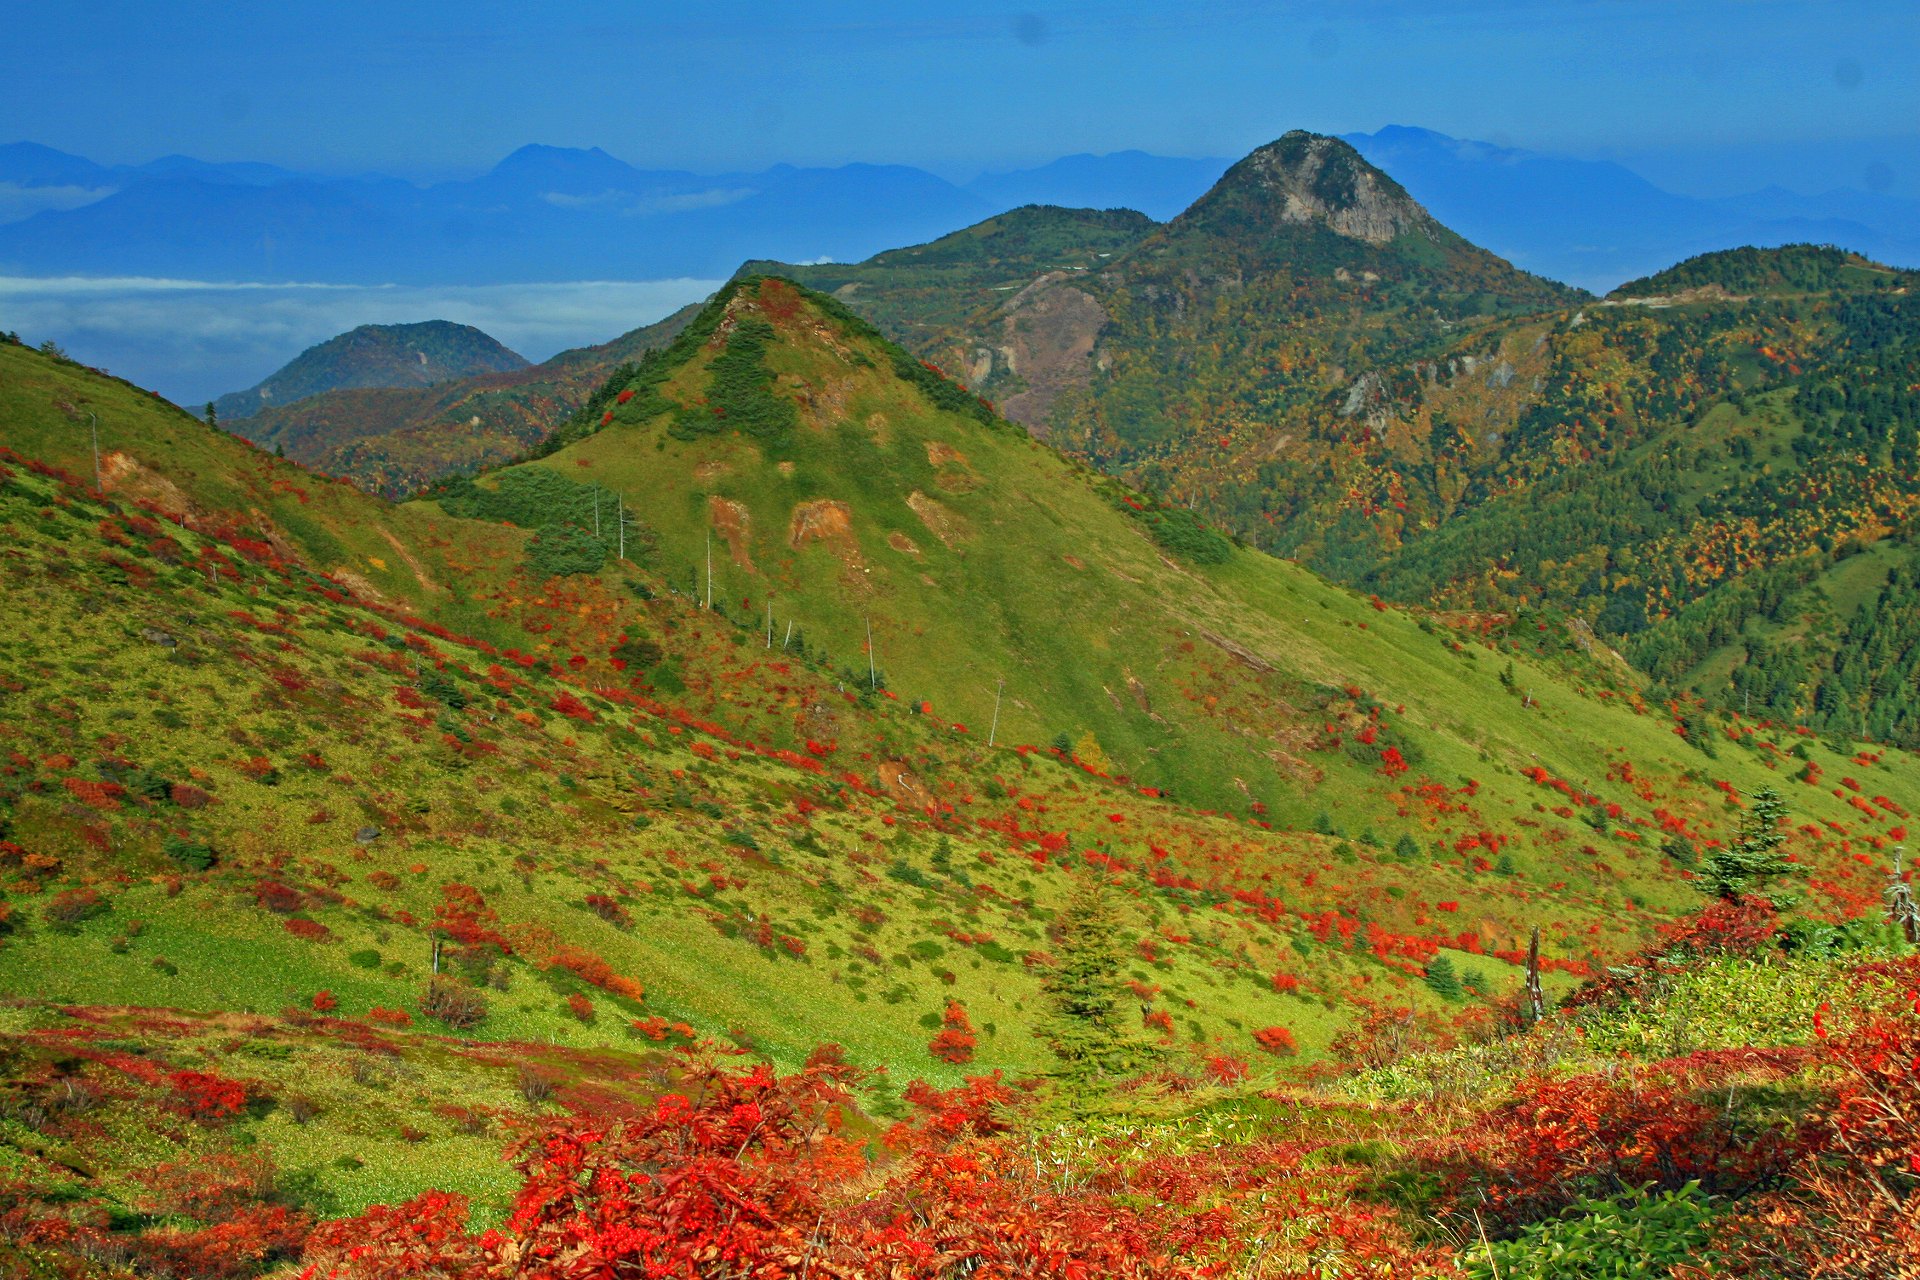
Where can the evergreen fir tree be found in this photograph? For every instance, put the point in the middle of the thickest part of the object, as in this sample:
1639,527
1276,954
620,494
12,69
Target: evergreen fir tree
1743,867
1082,1025
1406,848
1443,980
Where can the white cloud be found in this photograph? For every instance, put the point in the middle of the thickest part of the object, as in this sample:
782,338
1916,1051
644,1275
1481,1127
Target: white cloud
18,202
630,205
193,340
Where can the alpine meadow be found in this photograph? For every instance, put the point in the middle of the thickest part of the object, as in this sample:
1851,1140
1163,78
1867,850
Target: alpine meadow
1254,741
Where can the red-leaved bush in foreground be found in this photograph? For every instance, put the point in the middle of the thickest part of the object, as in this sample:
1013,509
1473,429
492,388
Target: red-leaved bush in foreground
1851,1210
1661,1124
745,1174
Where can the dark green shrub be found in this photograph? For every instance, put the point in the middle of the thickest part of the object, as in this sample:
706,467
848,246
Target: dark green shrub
559,550
639,653
190,854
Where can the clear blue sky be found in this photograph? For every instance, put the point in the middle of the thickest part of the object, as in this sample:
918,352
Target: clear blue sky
1712,94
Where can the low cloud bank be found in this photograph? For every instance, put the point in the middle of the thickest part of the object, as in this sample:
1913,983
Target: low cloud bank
193,340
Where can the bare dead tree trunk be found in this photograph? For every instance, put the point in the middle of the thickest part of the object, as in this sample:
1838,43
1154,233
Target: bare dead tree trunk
1536,998
1902,911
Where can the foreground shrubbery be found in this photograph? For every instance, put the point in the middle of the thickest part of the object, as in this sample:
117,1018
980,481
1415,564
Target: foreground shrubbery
1781,1148
1754,1160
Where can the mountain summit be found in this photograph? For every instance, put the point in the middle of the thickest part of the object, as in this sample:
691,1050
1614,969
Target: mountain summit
1240,319
1309,178
377,355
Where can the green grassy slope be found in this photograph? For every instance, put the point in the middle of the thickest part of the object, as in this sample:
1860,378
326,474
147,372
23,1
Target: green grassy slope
1678,467
229,782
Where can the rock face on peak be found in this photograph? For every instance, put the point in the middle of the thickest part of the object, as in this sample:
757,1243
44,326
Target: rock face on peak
1305,178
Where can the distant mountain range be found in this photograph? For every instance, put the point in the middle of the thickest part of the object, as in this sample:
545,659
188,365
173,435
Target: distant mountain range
543,213
551,213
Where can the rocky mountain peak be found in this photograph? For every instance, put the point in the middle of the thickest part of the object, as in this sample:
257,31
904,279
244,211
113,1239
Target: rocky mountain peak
1307,177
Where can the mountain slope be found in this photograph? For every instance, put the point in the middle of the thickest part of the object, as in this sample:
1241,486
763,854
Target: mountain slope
376,355
1248,310
269,739
1605,462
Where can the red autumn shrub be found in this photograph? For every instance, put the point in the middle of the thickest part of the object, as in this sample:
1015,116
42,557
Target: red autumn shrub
463,916
277,897
580,1007
569,705
72,906
308,930
206,1096
1747,927
737,1168
104,796
610,910
324,1002
1226,1069
1853,1206
389,1017
426,1236
220,1220
1563,1138
1276,1040
955,1040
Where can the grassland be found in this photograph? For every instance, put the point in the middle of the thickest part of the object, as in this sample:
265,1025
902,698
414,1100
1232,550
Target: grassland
350,707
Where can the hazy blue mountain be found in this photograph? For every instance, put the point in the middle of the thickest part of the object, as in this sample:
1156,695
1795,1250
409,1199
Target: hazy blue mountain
28,164
34,179
543,213
377,355
1158,186
1596,224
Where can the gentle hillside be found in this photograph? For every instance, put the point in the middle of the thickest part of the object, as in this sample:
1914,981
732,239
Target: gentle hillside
375,355
1791,269
272,744
395,440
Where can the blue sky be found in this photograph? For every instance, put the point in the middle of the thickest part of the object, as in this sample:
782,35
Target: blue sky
1705,96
